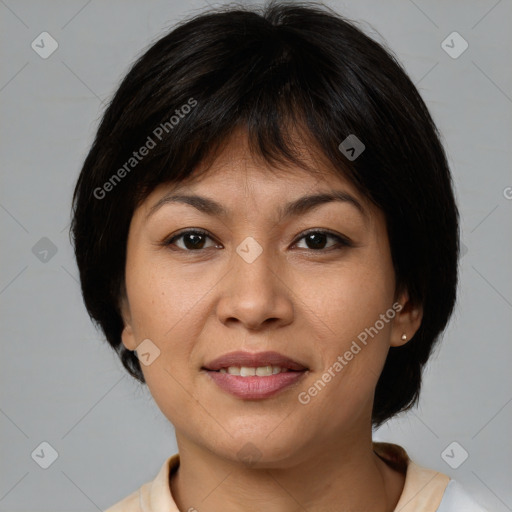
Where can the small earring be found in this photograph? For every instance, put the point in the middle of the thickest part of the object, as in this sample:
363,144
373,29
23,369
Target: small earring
404,336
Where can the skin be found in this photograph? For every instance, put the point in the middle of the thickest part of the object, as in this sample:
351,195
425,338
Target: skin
305,302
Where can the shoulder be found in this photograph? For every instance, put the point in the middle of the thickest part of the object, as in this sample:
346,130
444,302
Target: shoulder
154,495
425,490
456,498
134,502
129,504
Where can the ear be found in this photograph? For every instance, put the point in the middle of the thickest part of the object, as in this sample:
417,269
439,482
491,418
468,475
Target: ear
407,320
127,335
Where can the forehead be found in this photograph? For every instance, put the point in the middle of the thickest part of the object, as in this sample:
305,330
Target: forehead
235,162
237,174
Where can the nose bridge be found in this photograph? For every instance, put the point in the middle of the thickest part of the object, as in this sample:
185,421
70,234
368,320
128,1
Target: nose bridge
254,292
254,276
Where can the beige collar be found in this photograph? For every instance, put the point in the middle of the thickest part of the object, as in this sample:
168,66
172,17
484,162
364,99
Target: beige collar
423,489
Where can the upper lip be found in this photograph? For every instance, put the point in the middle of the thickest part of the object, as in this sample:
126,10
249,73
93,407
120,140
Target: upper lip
255,360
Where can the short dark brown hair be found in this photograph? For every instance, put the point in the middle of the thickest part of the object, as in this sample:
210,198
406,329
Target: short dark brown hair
271,71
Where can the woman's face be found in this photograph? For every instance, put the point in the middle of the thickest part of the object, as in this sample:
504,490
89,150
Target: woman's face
257,283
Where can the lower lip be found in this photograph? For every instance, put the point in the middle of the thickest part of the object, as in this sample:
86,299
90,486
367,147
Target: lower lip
255,388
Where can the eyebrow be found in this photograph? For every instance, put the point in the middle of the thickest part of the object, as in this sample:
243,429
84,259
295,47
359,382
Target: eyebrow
294,208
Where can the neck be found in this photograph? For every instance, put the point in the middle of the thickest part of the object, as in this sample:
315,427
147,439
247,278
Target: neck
345,476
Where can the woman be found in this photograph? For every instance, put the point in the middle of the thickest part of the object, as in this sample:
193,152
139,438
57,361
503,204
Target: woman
266,232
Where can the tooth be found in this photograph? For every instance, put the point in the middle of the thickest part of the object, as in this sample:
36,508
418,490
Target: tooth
249,371
263,371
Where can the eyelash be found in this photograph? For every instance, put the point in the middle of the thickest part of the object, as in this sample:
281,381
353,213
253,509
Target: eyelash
342,241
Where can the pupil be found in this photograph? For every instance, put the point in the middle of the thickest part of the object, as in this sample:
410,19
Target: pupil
195,244
311,238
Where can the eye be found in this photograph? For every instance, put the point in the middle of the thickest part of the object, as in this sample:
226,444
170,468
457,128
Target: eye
316,240
193,239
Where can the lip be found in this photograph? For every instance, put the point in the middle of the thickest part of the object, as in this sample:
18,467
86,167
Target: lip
241,358
255,388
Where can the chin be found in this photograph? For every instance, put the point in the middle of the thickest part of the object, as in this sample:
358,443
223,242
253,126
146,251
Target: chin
258,449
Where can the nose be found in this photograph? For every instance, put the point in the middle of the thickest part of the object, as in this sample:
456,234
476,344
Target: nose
255,295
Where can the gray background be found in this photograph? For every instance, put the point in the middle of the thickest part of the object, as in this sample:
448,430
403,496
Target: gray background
63,385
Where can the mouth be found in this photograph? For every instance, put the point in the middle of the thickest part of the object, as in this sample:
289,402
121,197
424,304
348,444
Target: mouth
258,361
254,376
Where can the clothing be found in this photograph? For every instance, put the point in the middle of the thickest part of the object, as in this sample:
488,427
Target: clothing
425,490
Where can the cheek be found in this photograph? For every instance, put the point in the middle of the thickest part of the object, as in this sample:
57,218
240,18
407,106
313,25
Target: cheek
352,338
162,297
348,300
351,355
164,305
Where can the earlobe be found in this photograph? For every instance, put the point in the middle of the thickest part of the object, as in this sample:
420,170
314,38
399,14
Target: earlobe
127,336
406,322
